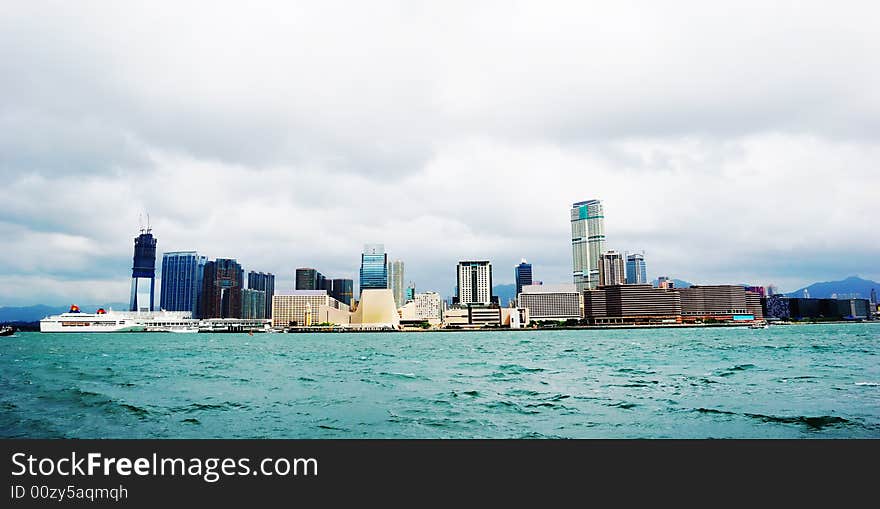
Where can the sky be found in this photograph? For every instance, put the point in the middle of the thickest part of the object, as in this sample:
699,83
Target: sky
733,142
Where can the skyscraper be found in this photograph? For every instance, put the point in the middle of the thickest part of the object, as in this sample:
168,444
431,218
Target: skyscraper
611,269
182,276
474,282
307,279
523,275
587,242
343,290
264,282
143,268
395,277
221,289
374,267
636,272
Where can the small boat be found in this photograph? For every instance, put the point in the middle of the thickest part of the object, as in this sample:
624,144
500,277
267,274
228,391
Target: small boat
7,330
759,326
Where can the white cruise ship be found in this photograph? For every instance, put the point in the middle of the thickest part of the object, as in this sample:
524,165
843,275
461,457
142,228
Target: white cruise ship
119,321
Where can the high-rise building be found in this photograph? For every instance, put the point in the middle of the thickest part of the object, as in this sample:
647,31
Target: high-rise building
143,269
410,293
474,282
253,304
873,296
343,290
395,277
221,290
182,274
307,279
587,242
611,269
636,273
374,268
264,282
523,275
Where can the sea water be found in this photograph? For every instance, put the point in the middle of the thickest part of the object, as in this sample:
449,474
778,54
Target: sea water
798,381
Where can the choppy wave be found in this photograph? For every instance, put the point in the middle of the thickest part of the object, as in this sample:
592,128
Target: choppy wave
812,422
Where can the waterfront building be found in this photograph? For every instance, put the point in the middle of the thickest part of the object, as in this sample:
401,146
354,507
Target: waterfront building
291,309
474,283
143,272
428,305
253,304
374,268
221,289
376,310
718,302
636,272
523,275
632,304
753,304
307,278
264,282
343,290
473,316
611,269
182,275
552,302
587,242
395,278
798,308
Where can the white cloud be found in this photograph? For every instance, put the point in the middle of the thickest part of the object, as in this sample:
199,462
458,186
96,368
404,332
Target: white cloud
730,144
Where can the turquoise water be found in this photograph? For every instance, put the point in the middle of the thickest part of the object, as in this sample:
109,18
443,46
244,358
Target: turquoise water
816,381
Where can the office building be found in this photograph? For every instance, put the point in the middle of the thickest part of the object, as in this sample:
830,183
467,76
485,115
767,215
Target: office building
182,275
523,275
474,283
665,282
253,304
316,305
374,268
264,282
395,278
343,290
587,242
636,272
551,302
143,272
308,279
221,289
873,296
611,269
410,292
631,304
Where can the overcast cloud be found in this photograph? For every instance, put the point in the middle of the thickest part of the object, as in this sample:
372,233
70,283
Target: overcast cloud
732,144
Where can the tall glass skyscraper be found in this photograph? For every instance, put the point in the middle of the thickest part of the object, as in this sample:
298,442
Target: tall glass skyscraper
523,275
264,282
374,267
182,273
307,279
636,273
143,269
395,277
587,242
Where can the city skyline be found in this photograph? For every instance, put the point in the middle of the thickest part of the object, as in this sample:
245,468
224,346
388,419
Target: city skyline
274,154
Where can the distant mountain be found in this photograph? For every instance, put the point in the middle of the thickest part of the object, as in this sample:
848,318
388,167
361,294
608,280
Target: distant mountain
40,311
846,287
679,283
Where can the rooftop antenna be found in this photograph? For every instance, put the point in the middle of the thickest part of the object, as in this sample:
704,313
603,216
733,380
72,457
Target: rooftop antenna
140,222
148,223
